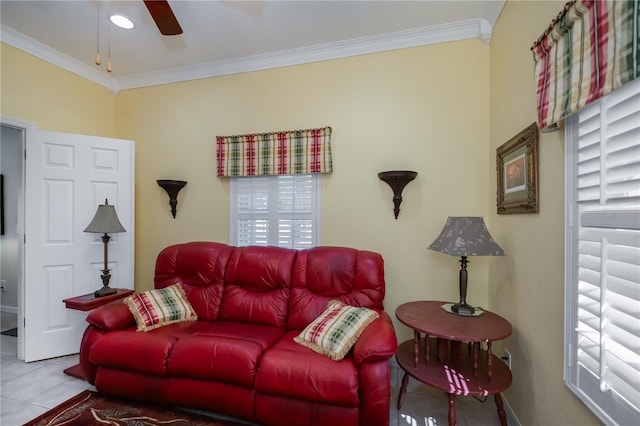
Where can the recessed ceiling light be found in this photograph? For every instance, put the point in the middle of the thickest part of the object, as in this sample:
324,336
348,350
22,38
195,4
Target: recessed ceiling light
121,21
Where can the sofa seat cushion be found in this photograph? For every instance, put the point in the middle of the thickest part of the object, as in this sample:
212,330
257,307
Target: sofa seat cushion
222,351
129,350
215,358
288,369
263,335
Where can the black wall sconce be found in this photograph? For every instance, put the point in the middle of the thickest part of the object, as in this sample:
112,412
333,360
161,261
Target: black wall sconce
397,180
172,187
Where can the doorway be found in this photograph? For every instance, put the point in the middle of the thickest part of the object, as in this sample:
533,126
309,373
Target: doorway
63,177
11,238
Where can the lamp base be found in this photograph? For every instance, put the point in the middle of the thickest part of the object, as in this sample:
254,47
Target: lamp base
462,309
105,291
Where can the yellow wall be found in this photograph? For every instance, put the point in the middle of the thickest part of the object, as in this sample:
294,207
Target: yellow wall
441,110
53,99
527,285
422,109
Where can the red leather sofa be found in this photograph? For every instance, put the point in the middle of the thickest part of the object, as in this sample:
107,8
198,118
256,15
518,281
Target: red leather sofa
239,357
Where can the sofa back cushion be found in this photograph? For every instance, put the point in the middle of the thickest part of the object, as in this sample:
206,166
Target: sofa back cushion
354,277
257,285
199,267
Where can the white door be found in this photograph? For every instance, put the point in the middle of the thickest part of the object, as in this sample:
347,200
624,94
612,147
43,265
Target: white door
66,177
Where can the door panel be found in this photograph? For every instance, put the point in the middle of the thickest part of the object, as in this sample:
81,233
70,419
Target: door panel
67,177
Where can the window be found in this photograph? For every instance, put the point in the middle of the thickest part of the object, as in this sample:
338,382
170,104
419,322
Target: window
602,259
279,210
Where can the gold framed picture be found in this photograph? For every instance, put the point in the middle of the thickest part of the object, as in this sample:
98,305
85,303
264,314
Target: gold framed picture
517,167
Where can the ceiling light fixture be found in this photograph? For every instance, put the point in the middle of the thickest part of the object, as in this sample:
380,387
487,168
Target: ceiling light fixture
121,21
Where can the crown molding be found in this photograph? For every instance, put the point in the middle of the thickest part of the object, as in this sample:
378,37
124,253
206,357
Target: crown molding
476,28
55,57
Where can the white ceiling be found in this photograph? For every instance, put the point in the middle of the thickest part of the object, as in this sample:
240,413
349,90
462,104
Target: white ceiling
225,37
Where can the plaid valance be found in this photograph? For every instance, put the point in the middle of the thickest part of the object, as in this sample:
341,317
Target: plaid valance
590,49
290,152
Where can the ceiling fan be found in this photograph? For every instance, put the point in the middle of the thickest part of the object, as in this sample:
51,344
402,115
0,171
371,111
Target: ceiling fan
163,16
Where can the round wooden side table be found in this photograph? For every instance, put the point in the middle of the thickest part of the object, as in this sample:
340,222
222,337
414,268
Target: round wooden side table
449,357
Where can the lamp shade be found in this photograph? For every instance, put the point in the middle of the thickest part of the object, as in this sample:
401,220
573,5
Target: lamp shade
466,236
105,221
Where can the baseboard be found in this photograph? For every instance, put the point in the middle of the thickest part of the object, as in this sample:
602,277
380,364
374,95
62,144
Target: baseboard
512,420
9,309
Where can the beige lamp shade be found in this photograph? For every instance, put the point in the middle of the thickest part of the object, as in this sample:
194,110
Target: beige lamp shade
105,221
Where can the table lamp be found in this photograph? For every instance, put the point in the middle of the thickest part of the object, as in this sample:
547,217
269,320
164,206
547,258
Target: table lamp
105,222
465,236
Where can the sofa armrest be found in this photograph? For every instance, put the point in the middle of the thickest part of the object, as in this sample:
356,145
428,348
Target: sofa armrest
90,336
112,316
377,341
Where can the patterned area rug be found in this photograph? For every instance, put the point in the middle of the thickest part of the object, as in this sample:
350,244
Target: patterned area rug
91,408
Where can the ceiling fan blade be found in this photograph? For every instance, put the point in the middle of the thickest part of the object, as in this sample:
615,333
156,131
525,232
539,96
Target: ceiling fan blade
163,16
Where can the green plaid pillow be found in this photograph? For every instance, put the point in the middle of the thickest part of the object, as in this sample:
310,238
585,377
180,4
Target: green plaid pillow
155,308
336,330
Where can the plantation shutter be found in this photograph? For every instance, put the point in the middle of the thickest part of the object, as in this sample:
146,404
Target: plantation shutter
296,216
252,217
275,210
602,353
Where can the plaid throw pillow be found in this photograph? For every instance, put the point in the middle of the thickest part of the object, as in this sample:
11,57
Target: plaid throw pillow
155,308
336,330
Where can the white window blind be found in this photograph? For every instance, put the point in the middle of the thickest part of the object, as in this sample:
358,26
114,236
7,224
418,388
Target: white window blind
275,210
602,269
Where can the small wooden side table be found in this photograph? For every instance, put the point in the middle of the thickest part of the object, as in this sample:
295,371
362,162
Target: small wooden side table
441,360
88,302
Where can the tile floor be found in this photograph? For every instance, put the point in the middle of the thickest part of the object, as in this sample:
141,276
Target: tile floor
30,389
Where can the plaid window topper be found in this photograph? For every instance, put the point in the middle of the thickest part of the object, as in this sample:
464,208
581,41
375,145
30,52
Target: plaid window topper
279,153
